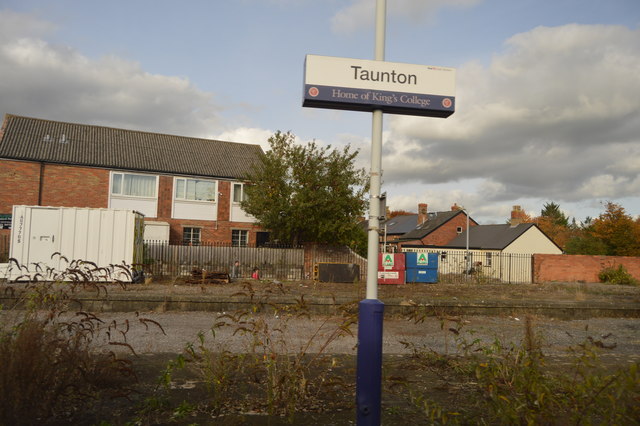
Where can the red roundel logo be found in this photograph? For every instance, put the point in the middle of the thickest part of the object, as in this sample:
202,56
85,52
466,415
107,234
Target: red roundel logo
313,91
446,102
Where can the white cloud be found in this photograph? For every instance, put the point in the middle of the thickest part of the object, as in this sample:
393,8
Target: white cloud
247,135
57,82
557,108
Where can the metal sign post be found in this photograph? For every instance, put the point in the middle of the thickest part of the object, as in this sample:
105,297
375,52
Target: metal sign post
371,310
376,86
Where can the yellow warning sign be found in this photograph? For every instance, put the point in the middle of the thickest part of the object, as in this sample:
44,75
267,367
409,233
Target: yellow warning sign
387,260
423,259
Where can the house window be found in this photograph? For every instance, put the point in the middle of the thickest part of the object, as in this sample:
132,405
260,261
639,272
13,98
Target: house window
238,193
488,257
459,229
133,185
443,256
239,238
195,189
191,236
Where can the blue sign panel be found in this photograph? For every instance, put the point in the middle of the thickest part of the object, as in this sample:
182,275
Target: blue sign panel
368,100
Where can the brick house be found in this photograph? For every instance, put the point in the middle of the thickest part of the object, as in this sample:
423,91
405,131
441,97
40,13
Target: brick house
436,228
191,186
500,252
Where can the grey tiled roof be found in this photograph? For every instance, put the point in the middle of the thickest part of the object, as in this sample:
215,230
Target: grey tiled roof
490,237
400,224
48,141
435,220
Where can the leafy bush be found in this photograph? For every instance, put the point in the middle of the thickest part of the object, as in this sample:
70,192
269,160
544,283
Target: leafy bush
618,275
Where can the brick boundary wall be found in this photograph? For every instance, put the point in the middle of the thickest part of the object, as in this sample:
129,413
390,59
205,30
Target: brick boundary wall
578,268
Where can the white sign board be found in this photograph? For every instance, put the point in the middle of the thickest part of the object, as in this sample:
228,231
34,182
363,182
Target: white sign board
363,85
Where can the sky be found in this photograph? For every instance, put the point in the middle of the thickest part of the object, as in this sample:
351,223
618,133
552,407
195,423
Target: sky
547,91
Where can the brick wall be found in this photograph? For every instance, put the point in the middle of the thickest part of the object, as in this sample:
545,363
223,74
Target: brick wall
578,268
31,183
70,186
20,183
211,231
165,195
447,232
224,200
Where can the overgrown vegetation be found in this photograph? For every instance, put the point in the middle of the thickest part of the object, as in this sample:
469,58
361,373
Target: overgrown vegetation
49,371
516,384
266,374
617,275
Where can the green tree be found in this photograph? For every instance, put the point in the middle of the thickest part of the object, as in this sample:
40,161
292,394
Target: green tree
613,233
307,193
618,231
584,242
554,223
552,211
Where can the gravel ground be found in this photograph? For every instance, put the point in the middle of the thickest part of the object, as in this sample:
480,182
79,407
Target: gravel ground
181,328
169,332
557,335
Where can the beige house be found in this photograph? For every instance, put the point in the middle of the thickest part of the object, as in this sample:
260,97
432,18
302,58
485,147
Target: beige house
498,252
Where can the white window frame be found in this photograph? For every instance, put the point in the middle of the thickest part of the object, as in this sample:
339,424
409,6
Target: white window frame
233,192
191,240
123,174
235,243
193,200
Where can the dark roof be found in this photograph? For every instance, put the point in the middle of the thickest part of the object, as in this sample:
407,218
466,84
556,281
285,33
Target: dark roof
435,220
48,141
490,237
400,224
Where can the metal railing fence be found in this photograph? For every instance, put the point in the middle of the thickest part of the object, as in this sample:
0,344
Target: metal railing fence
482,266
162,259
291,263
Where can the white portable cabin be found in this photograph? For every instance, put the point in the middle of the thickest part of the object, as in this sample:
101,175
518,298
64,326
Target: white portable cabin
47,241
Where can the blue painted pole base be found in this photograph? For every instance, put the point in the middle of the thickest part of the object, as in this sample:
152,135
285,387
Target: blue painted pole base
369,368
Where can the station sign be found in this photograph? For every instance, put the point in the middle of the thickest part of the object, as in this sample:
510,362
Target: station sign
365,85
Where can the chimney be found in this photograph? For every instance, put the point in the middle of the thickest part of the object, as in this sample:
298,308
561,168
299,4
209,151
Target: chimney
422,213
455,207
517,216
